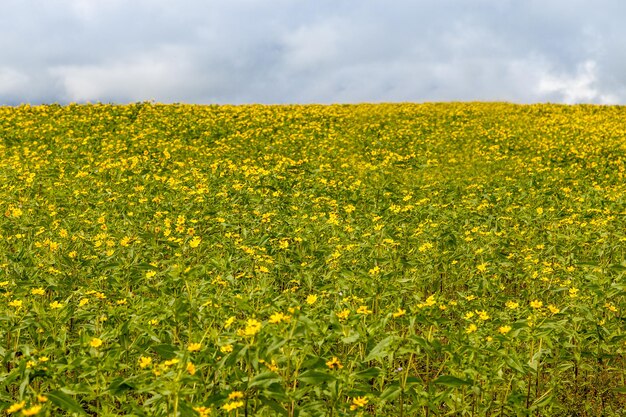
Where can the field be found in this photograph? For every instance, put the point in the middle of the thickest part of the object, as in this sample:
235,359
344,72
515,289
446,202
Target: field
462,259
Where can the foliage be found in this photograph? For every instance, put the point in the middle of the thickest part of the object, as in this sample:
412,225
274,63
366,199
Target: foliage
433,259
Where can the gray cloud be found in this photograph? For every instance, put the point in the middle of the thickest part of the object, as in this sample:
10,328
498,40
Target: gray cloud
281,51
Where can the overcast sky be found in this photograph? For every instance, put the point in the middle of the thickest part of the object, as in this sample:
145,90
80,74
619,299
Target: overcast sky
316,51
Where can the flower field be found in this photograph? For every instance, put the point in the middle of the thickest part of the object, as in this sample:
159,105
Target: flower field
391,260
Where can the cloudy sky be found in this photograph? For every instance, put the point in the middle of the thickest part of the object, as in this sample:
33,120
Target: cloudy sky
315,51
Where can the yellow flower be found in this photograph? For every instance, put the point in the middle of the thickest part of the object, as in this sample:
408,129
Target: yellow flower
150,274
504,329
232,405
334,363
430,301
16,212
191,368
170,362
536,304
195,242
471,328
144,361
399,313
16,303
194,347
553,309
229,322
235,394
342,315
482,315
203,411
38,291
31,411
278,317
375,270
55,305
15,407
363,310
358,402
511,305
95,342
482,267
42,398
311,299
253,326
573,292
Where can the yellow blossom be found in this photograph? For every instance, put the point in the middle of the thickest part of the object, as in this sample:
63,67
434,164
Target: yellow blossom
195,242
171,362
482,315
278,317
253,326
15,407
32,410
95,342
144,361
363,310
194,347
358,402
471,328
232,405
311,299
191,368
226,348
553,309
536,304
235,394
399,313
229,322
334,363
343,315
504,329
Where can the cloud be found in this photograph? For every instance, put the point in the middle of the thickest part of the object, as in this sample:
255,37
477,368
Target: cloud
580,87
281,51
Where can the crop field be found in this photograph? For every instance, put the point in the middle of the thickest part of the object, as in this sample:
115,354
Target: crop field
459,259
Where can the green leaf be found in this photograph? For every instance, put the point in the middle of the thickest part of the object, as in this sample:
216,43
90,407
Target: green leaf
264,379
391,392
452,381
381,349
119,385
165,351
315,377
65,402
275,406
367,373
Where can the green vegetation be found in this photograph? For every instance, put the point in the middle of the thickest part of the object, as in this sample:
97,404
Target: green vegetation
435,259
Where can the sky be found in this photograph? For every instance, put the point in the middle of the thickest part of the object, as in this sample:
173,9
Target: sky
315,51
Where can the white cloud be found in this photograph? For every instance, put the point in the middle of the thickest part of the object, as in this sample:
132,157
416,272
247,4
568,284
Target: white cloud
11,81
580,87
160,76
280,51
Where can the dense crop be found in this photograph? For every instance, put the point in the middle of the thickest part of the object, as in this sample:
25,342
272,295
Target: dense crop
437,259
